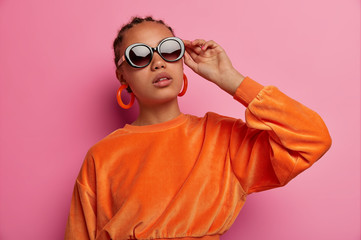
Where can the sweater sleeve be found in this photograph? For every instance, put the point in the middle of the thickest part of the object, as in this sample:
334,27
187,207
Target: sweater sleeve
81,223
281,138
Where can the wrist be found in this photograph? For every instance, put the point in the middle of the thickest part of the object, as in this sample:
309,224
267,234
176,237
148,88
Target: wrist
230,81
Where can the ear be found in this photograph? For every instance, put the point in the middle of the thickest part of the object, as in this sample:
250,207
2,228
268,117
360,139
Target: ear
119,74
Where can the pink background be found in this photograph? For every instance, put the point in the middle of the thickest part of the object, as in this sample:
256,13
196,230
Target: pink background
58,98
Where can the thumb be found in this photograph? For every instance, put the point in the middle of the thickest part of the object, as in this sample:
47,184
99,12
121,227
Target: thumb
190,62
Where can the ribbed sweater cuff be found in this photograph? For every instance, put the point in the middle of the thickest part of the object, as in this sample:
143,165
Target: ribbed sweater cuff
247,91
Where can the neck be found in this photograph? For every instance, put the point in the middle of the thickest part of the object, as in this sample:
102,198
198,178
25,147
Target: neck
157,114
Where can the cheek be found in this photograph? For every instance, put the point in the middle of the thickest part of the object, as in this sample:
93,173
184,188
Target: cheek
181,71
134,82
178,70
178,67
131,76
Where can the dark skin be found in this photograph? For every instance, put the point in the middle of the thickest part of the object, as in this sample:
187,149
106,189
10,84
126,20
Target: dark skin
158,104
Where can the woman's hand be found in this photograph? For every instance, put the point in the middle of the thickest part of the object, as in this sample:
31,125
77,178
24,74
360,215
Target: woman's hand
210,61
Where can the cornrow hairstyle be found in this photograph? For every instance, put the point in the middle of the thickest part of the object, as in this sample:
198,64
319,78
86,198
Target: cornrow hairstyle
134,21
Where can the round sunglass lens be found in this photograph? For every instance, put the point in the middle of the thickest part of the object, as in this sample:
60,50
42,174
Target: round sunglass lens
140,55
170,50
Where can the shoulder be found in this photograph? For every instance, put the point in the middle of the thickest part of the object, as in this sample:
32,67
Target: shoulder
211,119
216,118
110,142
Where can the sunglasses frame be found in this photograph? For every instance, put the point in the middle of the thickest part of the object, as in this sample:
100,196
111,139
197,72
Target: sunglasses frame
125,57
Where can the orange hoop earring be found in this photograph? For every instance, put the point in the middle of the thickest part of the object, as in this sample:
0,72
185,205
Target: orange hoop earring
119,97
185,85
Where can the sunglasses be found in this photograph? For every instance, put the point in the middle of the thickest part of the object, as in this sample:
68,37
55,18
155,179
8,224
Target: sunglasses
140,55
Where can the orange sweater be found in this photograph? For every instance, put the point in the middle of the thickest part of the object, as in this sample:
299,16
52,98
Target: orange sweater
189,177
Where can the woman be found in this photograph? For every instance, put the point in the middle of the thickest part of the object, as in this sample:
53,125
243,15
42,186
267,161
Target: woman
170,175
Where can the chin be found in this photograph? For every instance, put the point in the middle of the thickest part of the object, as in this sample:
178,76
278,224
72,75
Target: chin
166,98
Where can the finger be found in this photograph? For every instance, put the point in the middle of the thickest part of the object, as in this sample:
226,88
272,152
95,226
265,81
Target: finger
190,47
196,49
192,54
187,43
209,44
198,42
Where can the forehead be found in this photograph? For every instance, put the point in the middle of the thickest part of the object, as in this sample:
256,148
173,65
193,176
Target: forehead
150,33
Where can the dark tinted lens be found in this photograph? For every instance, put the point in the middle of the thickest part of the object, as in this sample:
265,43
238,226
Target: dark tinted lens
170,50
140,55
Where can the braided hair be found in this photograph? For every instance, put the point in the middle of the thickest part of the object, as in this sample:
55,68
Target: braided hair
134,21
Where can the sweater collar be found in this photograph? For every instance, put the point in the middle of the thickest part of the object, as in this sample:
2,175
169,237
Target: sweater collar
159,126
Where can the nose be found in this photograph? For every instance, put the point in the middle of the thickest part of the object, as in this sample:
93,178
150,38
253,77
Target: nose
157,62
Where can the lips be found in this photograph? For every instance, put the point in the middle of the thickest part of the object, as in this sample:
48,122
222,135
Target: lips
162,80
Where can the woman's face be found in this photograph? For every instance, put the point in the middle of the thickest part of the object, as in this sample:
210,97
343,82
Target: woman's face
144,82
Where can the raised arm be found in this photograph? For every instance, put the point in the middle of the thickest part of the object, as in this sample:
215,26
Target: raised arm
281,137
